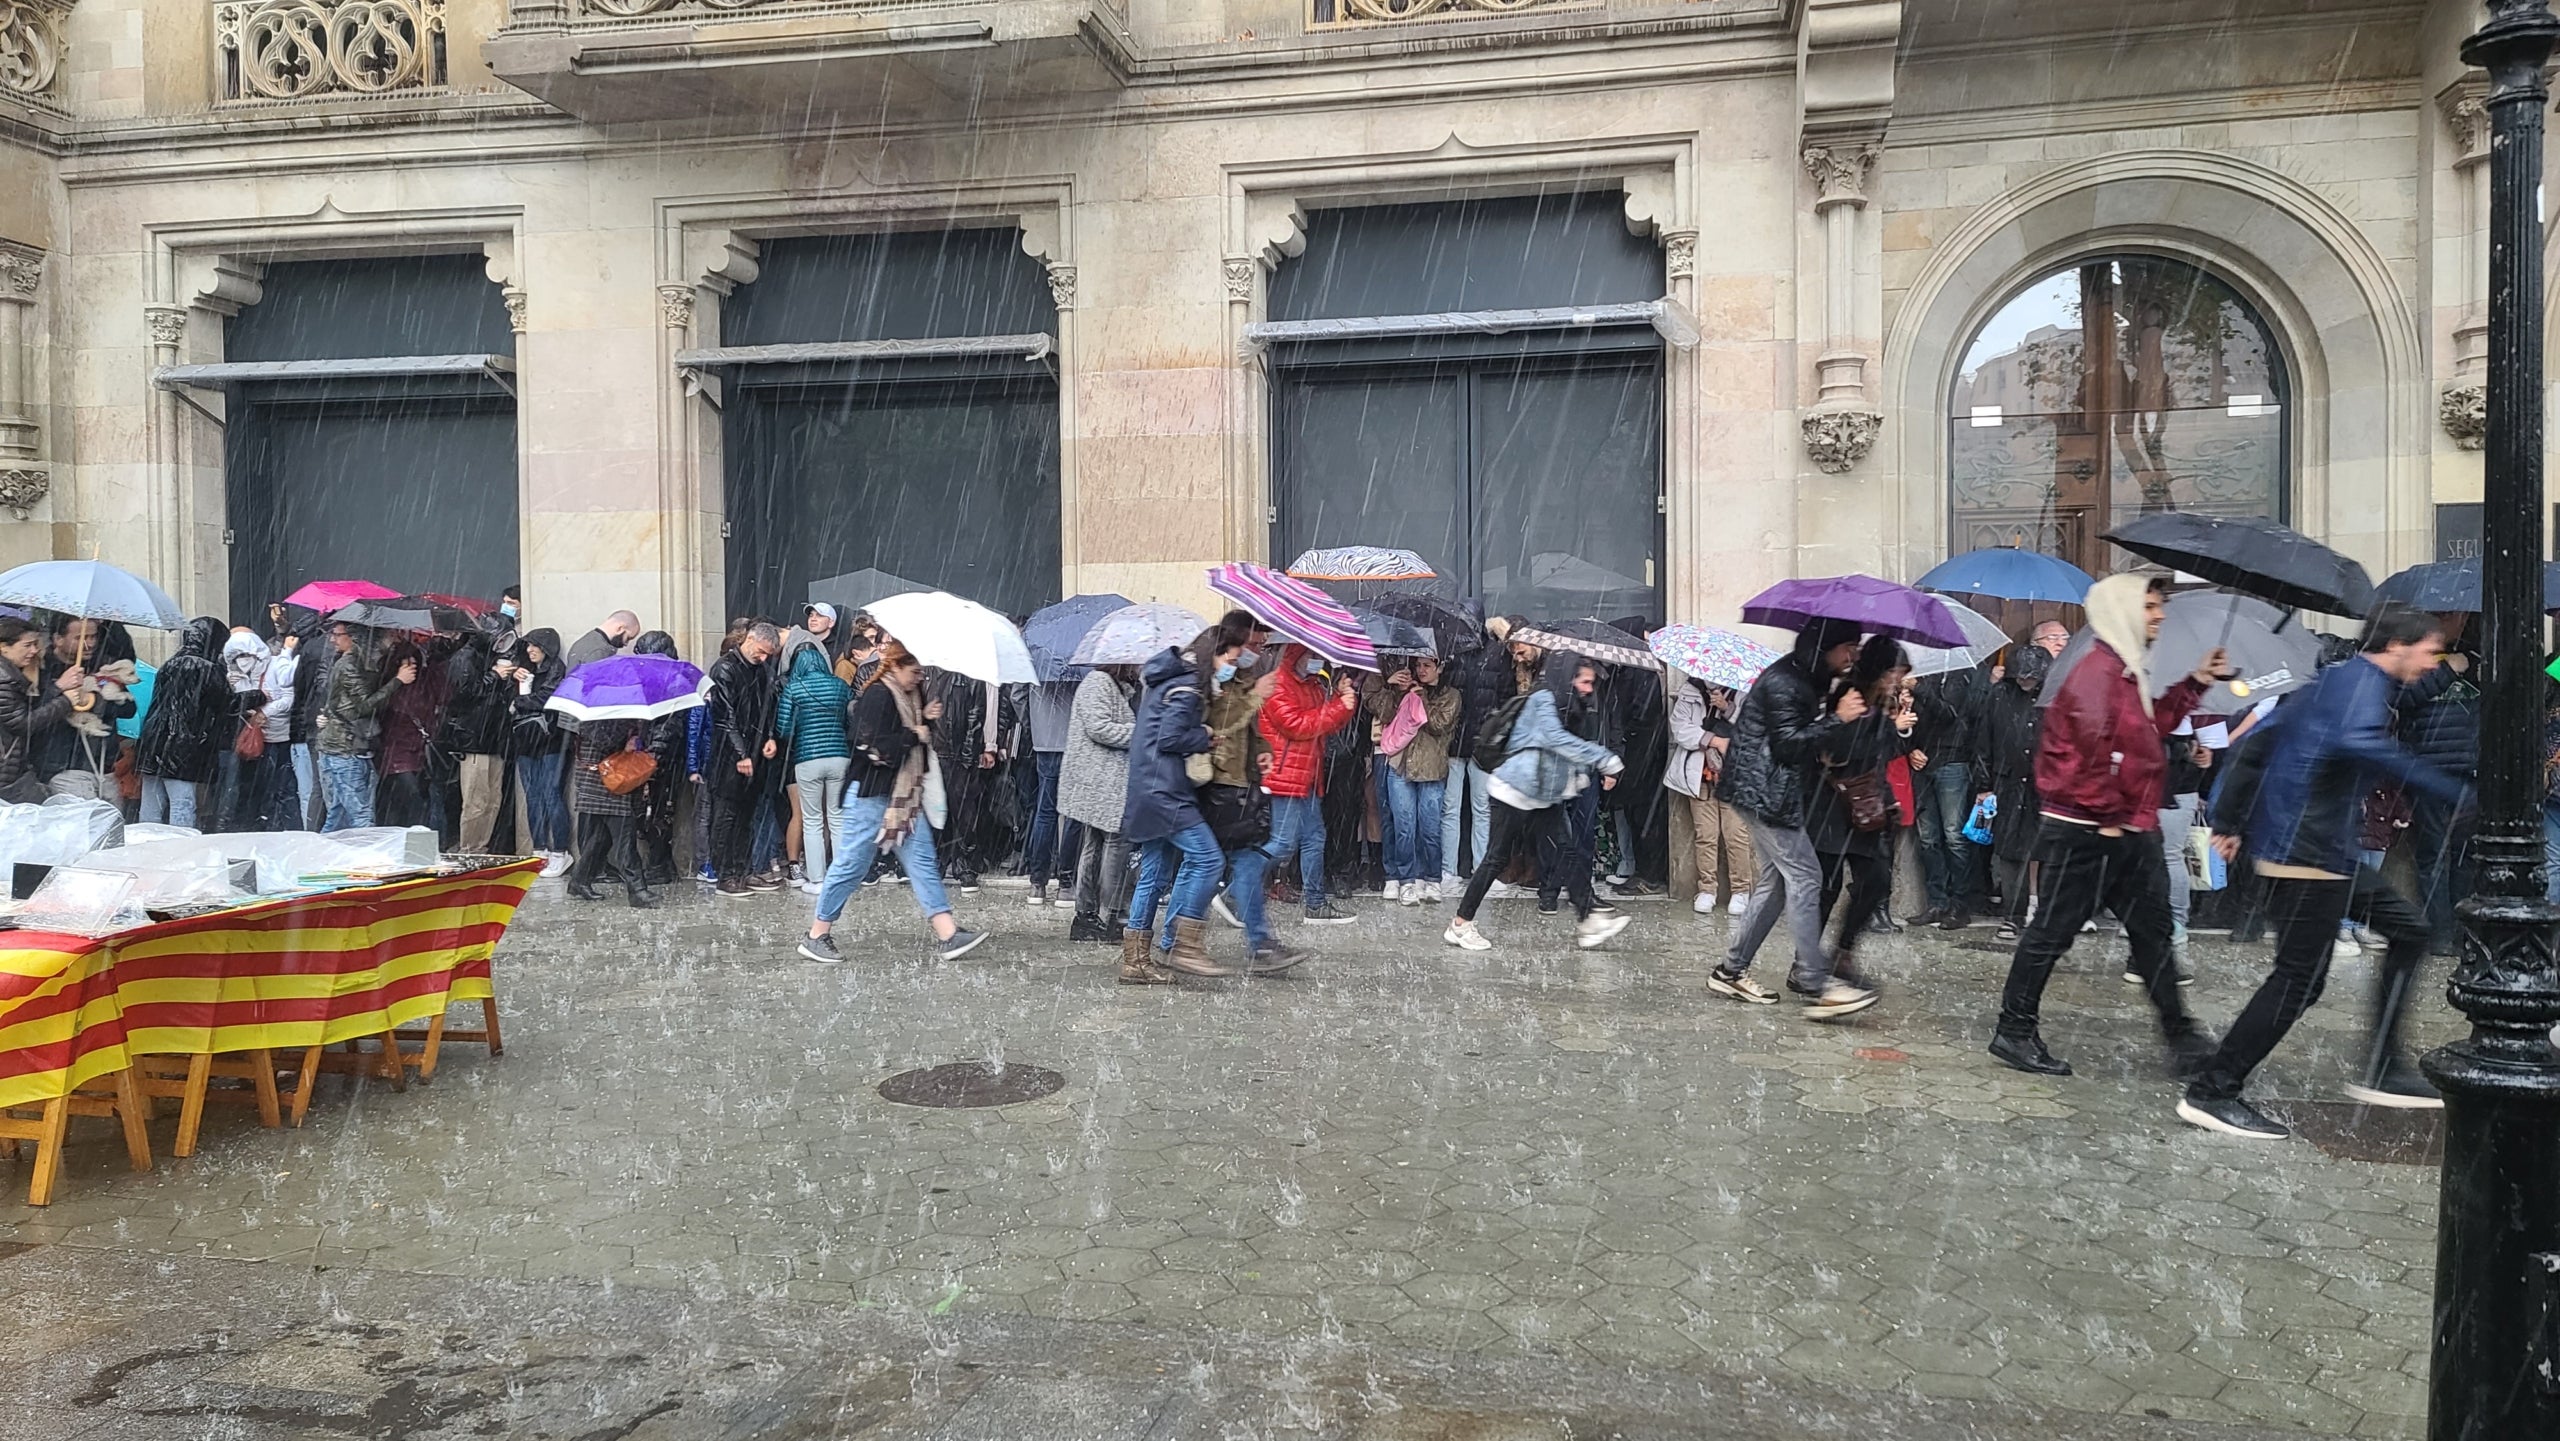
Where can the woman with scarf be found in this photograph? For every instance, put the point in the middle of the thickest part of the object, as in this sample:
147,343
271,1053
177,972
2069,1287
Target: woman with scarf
27,713
891,743
1179,857
1546,760
2004,771
538,743
1849,808
194,718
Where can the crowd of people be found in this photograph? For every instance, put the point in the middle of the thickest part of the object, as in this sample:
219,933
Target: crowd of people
1238,774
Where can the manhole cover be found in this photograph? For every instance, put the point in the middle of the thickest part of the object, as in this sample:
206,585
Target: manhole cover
2352,1131
964,1084
1880,1053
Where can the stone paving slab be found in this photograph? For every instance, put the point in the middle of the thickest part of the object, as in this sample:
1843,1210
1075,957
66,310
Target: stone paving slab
1532,1158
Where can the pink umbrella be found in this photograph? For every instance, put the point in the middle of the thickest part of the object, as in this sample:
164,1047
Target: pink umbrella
329,595
1297,610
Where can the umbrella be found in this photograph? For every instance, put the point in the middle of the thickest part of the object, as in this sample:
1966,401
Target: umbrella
325,595
857,589
1563,570
630,687
1983,639
1879,607
1454,627
1394,635
2253,556
1054,631
1361,562
2008,573
2270,655
1718,657
2453,586
406,612
1592,640
1135,634
1297,610
93,590
956,635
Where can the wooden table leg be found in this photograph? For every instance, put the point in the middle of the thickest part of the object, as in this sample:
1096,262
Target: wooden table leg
489,1022
57,1120
435,1042
394,1069
137,1137
263,1080
191,1103
303,1083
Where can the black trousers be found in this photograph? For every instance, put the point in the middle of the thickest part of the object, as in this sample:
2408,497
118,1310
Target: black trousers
1572,847
733,823
1102,875
967,791
597,835
2080,870
1514,829
2306,915
1869,882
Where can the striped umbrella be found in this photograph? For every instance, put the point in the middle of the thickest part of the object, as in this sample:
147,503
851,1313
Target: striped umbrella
1297,610
1361,562
1718,657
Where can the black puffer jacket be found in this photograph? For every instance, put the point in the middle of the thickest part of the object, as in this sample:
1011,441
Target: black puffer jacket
2438,717
1485,680
194,715
1781,725
478,702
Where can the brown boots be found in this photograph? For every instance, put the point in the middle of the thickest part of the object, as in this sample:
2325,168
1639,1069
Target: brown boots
1138,964
1190,953
1142,965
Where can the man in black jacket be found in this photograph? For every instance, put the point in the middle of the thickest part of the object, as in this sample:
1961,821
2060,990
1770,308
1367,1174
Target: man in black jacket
1950,707
2437,716
475,734
967,742
742,745
1776,737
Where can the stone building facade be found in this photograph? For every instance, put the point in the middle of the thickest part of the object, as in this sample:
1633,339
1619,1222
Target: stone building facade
1829,202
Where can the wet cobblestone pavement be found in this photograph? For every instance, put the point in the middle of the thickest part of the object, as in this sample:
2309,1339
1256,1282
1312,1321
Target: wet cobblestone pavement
1400,1193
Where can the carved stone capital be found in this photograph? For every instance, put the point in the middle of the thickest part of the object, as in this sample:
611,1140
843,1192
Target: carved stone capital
1242,271
1841,171
1062,286
21,489
20,271
168,323
2465,107
515,299
1839,439
2463,410
675,306
1679,253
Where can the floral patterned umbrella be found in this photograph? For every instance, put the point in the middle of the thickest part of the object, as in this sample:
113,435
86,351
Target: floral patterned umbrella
1718,657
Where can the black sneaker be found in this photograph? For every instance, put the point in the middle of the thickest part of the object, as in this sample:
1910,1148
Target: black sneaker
1327,915
2027,1053
962,942
1930,917
2231,1117
821,949
2401,1086
1547,905
1272,959
1956,920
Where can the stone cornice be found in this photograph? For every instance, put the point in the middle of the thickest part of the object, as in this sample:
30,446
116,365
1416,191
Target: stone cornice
2152,112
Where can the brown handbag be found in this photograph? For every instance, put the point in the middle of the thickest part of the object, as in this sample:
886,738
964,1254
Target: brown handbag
626,771
251,743
1864,798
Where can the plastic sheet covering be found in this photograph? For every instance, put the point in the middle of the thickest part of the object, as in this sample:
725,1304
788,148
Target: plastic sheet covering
144,832
58,832
297,860
83,903
1666,315
170,873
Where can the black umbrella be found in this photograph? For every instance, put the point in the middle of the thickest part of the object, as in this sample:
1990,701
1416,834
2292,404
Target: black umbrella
1393,635
1456,629
2453,587
2253,556
407,612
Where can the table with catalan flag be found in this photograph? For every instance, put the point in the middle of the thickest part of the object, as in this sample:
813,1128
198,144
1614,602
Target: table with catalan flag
102,1027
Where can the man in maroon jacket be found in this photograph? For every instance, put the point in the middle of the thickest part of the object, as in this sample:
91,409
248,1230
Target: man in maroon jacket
2099,768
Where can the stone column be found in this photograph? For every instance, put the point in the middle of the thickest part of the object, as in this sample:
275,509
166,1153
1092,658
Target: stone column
23,480
1841,427
2463,405
168,328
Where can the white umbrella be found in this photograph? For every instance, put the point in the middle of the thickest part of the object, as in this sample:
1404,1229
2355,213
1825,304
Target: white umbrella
957,635
94,590
1133,634
1983,638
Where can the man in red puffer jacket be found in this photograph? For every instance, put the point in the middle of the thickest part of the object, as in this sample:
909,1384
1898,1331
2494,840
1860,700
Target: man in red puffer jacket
1301,712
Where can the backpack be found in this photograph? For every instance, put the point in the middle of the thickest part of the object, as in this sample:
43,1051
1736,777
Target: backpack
1493,736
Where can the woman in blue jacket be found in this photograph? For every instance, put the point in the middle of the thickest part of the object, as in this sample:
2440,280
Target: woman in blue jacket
1544,764
1162,817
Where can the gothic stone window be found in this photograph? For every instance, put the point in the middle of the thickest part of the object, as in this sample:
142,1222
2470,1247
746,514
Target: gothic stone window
2121,385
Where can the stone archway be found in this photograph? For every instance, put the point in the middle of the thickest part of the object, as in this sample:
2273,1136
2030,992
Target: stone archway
2359,424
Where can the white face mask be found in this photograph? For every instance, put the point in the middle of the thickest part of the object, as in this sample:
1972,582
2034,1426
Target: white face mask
1248,659
1310,666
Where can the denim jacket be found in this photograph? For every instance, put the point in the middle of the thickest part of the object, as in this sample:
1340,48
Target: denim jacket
1547,763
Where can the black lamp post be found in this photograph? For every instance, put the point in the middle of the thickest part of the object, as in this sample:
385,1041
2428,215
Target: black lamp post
2496,1373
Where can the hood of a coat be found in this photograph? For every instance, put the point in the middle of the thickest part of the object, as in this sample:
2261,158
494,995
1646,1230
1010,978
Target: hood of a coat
203,638
1168,663
2027,667
2115,607
794,642
809,657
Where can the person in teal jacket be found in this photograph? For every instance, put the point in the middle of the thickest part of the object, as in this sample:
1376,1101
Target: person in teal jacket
809,718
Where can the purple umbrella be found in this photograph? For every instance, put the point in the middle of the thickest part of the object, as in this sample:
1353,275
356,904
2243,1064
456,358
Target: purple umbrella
1878,607
630,687
1297,610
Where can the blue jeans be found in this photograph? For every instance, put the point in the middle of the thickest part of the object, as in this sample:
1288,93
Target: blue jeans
1413,828
1049,854
1247,869
1297,828
306,784
349,780
858,845
2550,851
546,810
1943,794
1196,852
168,802
1453,817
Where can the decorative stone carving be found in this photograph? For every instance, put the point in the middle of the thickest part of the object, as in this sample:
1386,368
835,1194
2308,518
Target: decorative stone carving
1240,276
1380,11
2466,114
21,489
295,49
515,300
2463,409
168,324
675,306
1841,171
30,45
1679,254
20,270
1062,286
1839,439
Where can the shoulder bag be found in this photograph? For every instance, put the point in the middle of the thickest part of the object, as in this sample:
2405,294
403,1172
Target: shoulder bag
1864,799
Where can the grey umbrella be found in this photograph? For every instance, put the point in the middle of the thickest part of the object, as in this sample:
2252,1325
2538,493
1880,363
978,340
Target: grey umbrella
857,589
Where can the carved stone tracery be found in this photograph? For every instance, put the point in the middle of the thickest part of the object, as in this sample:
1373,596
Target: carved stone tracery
1384,11
295,49
30,46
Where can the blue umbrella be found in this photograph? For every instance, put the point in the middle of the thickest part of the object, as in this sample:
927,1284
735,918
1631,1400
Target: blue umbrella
2007,573
2451,586
1054,631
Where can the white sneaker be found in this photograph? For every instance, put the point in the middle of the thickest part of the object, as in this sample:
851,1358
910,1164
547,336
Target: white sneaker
1740,903
1409,894
1501,891
553,862
1430,893
1705,904
1451,881
1039,895
1226,913
1599,926
1465,936
2345,950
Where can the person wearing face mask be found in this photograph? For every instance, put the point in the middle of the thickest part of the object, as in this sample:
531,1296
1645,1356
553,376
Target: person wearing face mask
2003,766
1301,713
1235,805
1416,715
1545,762
1179,857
